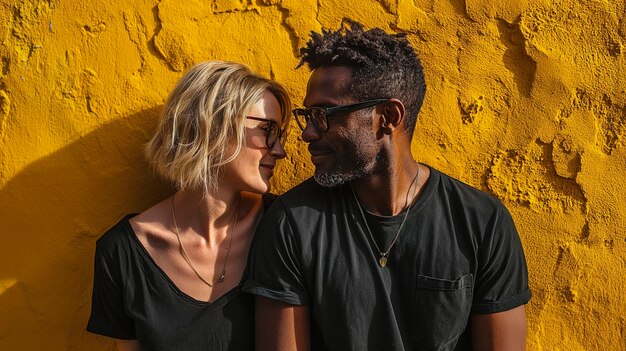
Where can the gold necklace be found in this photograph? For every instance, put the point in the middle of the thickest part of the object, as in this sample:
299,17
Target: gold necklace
382,261
183,252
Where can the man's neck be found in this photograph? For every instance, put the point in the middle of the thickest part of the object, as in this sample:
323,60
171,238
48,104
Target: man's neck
390,190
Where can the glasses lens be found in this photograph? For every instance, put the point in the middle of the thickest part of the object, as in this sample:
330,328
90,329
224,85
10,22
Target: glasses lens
300,116
318,117
282,137
272,135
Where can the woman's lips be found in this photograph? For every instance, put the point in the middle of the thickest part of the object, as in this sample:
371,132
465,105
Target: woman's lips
268,168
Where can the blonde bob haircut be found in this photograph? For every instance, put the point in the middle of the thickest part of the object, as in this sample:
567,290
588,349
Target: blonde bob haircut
202,125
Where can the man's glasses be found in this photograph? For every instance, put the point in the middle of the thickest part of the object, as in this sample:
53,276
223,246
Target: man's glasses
319,115
272,131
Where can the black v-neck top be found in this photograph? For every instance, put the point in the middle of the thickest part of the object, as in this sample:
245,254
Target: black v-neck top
133,298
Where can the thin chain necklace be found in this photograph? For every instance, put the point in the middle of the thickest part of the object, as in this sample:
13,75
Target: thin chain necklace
183,252
382,261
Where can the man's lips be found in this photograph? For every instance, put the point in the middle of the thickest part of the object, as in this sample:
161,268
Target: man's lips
269,166
318,156
319,151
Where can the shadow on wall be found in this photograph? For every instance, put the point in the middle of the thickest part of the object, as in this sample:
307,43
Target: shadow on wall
52,212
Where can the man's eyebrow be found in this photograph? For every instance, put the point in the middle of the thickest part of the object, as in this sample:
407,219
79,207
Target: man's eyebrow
326,103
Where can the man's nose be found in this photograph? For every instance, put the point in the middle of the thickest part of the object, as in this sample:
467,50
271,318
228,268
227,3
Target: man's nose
310,133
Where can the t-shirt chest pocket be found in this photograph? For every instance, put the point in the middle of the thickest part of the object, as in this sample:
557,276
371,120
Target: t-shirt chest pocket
441,311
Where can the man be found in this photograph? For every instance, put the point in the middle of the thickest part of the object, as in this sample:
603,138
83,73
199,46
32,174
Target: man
379,252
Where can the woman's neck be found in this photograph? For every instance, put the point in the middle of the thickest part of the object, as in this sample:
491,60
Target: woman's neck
206,215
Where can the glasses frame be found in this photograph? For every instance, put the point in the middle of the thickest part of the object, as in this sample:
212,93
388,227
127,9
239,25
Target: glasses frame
325,112
272,125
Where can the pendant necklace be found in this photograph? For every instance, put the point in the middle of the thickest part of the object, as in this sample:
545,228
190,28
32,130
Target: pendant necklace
382,260
183,252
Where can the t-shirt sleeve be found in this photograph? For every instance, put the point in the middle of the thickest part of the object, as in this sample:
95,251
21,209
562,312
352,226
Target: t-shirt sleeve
276,260
108,315
502,277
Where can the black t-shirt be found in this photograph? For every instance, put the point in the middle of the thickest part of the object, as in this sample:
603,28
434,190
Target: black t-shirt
134,299
458,254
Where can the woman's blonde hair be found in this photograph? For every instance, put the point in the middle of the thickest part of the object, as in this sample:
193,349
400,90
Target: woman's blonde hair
202,125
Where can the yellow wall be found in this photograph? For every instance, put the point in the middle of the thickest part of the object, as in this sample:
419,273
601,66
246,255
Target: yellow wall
526,100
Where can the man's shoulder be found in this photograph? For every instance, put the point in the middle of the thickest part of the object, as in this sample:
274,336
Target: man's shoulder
464,193
471,205
306,193
304,204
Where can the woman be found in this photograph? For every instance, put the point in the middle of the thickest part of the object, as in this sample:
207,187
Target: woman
169,278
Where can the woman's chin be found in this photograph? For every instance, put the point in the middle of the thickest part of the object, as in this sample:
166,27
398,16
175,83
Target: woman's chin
261,187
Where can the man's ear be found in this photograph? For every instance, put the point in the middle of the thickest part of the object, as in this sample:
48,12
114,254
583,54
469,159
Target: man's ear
392,114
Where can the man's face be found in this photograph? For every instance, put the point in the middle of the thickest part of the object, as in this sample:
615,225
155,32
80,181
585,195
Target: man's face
348,149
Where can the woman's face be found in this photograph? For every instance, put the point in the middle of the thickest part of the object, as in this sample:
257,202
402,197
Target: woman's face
254,166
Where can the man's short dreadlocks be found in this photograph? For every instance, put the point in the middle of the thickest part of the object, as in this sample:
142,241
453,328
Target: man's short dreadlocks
384,65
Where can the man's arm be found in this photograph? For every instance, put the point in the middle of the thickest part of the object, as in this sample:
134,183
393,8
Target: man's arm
502,331
281,326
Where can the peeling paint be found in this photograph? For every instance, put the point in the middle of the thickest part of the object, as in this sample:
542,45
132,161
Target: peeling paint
611,125
469,110
515,57
528,178
565,158
174,48
5,108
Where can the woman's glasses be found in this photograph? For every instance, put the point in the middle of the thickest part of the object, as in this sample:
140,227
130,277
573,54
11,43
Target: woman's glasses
273,133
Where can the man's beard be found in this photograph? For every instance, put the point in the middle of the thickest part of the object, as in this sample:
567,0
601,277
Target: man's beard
344,175
332,179
364,160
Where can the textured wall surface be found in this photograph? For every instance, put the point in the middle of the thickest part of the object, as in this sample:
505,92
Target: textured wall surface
526,100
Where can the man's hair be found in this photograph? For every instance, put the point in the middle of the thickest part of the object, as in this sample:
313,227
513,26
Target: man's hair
383,65
202,127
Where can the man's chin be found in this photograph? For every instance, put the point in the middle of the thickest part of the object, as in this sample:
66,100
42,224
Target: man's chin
329,180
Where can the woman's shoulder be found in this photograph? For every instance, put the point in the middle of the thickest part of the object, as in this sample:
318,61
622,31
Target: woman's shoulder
117,234
152,228
114,244
131,228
